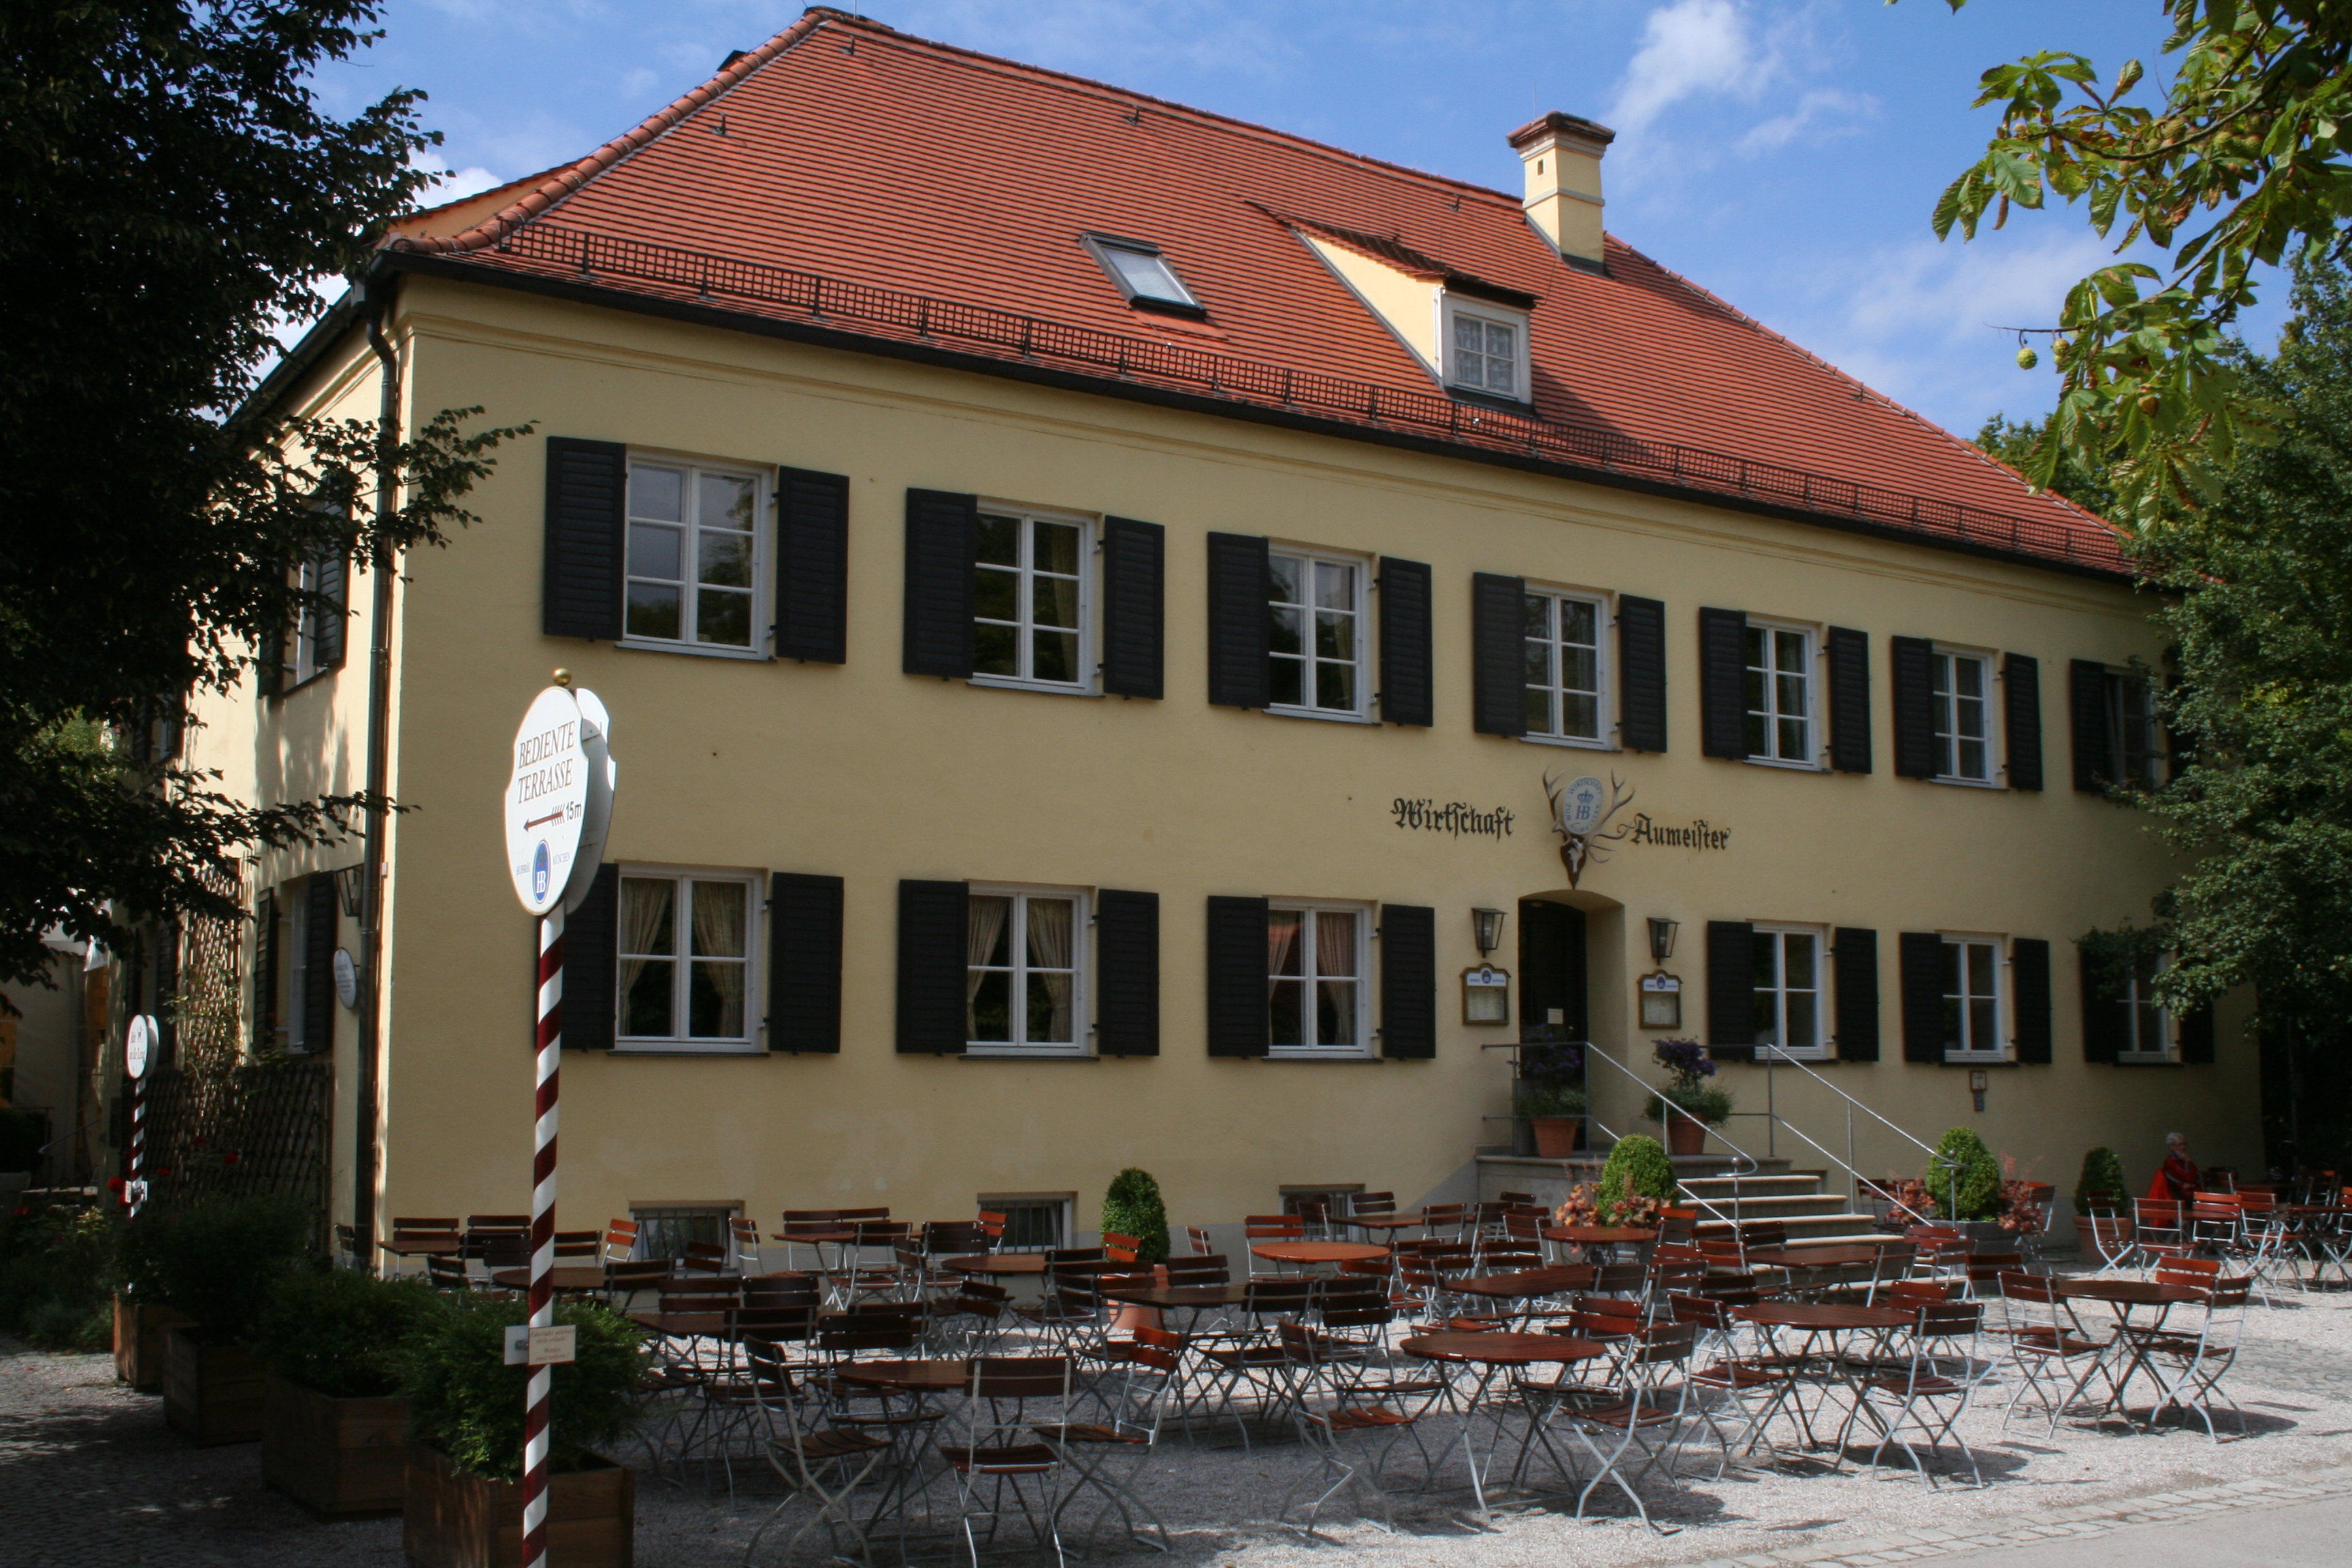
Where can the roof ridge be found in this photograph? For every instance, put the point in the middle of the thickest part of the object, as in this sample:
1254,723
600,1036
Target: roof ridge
568,178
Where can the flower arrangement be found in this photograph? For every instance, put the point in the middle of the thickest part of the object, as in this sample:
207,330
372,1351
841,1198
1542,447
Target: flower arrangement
1688,1067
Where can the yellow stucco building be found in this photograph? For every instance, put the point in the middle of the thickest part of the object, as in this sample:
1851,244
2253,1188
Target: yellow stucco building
1116,603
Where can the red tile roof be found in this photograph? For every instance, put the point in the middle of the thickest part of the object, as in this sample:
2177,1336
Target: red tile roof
894,188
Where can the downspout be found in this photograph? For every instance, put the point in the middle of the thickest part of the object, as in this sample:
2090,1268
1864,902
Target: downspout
379,771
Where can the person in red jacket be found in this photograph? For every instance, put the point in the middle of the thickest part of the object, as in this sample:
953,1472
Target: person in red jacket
2178,1180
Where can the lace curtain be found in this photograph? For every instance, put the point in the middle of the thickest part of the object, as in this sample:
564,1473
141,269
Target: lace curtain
646,926
1049,949
719,933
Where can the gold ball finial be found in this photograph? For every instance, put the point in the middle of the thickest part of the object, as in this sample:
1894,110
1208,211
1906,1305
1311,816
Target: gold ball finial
562,677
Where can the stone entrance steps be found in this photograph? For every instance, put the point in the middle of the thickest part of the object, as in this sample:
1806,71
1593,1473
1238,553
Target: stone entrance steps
1713,1184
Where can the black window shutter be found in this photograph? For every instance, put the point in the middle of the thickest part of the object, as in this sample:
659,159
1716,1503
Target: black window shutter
1239,580
1498,655
270,663
585,566
933,919
804,964
1921,960
1849,672
2106,1019
812,566
1731,990
1127,973
1641,674
1854,952
2029,972
335,582
1135,615
942,541
2021,683
319,961
264,970
591,964
1913,664
2197,1036
2088,690
1723,683
1406,694
1408,982
1239,1022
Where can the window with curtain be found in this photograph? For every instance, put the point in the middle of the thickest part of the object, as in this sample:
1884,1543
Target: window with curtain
1315,978
684,946
1021,988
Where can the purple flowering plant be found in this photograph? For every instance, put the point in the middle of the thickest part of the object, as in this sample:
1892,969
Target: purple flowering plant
1686,1061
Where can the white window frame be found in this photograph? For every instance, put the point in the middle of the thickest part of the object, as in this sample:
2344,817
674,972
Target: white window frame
1817,1049
1081,962
1603,669
1362,567
2003,1044
1945,727
2114,691
1308,979
681,995
763,513
2168,1041
1452,305
1816,731
1089,555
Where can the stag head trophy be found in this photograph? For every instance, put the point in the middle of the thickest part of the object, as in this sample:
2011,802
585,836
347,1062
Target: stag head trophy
1580,815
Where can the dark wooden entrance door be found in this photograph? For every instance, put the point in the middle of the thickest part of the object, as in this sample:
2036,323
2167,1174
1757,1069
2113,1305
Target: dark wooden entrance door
1552,968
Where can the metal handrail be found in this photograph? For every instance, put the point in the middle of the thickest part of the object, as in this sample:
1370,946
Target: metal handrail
1754,1164
1855,1179
1777,1058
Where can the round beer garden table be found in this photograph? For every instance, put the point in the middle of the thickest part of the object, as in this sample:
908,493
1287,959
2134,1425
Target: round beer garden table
997,1263
573,1279
1492,1354
1526,1284
1825,1367
943,1376
1319,1251
2125,1299
1814,1256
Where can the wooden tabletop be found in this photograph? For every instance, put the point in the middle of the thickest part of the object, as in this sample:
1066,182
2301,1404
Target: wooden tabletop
923,1376
1382,1221
1526,1282
1320,1251
997,1263
683,1325
1502,1350
1813,1257
2129,1292
1179,1295
570,1279
1822,1315
435,1246
1594,1234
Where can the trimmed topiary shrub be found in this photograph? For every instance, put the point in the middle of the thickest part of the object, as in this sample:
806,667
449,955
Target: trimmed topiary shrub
339,1332
464,1400
1637,1168
2101,1173
1971,1192
1133,1207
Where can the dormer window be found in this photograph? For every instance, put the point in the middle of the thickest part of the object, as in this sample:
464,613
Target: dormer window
1485,349
1143,274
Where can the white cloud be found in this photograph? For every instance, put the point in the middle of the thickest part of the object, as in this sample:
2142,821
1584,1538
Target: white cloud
452,184
1691,49
1824,112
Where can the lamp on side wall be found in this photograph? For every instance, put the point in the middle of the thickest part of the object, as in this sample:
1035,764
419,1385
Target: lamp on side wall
1662,937
1487,926
347,890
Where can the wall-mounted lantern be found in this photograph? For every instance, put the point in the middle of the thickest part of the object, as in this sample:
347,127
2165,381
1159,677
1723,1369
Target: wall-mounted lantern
1487,926
1662,937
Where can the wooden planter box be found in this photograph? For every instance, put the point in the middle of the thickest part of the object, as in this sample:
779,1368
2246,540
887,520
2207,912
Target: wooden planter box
139,1332
454,1520
213,1389
340,1459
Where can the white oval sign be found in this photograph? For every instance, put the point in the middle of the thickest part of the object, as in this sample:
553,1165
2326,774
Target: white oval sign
347,979
1582,801
137,1043
547,799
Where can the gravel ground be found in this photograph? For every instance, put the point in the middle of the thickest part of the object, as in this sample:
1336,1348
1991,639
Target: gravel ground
90,1474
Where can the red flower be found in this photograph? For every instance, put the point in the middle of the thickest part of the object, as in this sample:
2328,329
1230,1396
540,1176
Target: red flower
115,1184
165,1172
24,1214
229,1158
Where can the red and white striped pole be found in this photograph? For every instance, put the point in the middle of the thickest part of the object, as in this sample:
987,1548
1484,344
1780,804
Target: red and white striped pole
542,1235
133,1193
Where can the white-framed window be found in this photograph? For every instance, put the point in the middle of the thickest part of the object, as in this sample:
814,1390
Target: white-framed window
1025,986
694,556
1568,673
2147,1027
1485,349
1317,988
687,944
1962,689
1789,1010
1317,644
1031,600
1780,701
2135,737
1972,998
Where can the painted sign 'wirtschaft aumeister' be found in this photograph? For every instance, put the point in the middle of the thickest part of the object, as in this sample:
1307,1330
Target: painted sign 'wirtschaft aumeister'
1697,836
1454,816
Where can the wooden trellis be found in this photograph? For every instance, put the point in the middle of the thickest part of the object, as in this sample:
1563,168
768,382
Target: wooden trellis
205,1014
262,1128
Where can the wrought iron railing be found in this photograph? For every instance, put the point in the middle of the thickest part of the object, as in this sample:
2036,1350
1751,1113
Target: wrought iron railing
887,312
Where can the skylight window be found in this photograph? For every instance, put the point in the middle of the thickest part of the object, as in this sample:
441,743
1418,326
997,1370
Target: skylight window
1142,274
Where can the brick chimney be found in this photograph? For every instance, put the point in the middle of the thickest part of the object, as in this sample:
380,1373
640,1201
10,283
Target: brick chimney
1562,155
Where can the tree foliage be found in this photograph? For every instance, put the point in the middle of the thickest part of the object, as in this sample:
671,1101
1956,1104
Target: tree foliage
2237,160
173,189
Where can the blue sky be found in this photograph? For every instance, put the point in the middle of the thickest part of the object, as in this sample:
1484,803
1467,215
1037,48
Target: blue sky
1785,153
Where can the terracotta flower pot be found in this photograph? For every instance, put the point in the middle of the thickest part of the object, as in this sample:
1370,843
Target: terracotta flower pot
340,1459
1685,1136
456,1520
1557,1137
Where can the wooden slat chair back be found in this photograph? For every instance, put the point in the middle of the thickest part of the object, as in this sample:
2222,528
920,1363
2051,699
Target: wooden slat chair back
953,1238
991,1224
1371,1205
447,1273
1197,1238
704,1258
620,1240
1121,1248
578,1243
624,1280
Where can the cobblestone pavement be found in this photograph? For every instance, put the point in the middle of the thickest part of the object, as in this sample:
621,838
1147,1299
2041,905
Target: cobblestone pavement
89,1475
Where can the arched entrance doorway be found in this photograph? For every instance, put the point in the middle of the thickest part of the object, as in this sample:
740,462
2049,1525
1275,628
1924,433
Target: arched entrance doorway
1555,976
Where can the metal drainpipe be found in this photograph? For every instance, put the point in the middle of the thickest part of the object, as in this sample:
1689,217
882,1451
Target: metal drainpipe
378,768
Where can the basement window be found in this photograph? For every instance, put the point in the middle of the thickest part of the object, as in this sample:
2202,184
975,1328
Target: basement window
1143,275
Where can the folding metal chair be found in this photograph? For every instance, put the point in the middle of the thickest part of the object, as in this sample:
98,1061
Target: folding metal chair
1646,1414
1197,1238
1931,1392
2191,1366
2055,1356
996,1447
1109,1456
1260,1228
1753,1386
1355,1413
814,1460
